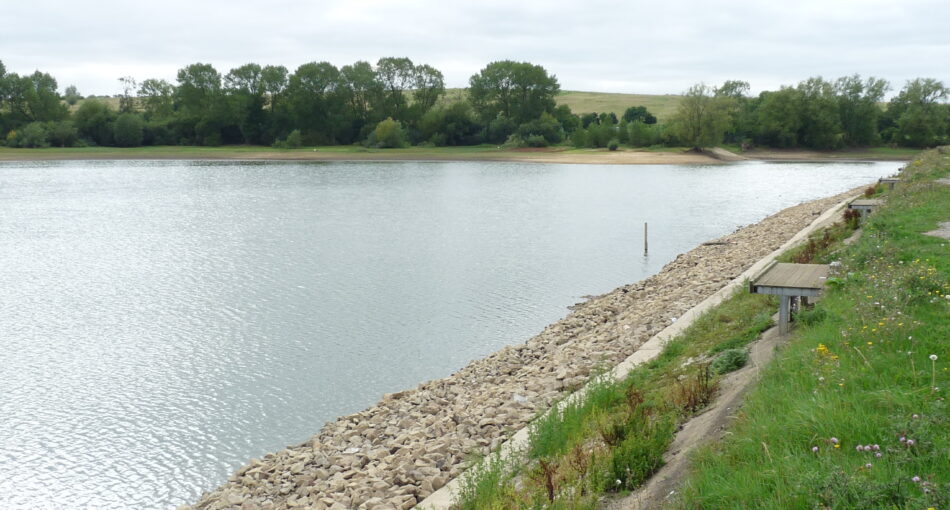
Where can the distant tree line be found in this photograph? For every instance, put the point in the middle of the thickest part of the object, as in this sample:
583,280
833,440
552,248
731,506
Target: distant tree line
397,103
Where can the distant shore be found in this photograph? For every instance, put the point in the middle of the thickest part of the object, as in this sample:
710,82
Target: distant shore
563,155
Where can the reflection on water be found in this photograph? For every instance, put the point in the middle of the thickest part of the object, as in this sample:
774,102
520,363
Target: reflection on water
164,322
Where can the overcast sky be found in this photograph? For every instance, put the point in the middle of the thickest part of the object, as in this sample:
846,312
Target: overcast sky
634,46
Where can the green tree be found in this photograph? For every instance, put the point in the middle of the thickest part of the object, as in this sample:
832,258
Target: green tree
62,133
638,113
71,95
202,113
858,108
313,97
127,98
157,98
429,86
388,134
778,118
546,126
519,91
453,124
33,98
701,119
820,121
245,88
917,112
361,91
32,135
94,121
127,130
732,97
396,76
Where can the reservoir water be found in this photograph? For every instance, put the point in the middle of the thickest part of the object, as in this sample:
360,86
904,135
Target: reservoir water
161,323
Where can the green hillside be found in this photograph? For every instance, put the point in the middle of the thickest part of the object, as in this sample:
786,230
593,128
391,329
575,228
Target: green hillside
663,106
585,102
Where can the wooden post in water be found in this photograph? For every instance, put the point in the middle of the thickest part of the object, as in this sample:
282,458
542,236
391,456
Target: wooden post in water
646,246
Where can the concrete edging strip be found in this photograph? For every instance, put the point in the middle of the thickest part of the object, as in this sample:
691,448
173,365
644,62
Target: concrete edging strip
444,498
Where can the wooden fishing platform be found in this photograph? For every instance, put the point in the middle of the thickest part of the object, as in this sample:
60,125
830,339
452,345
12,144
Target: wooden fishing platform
890,181
865,205
790,282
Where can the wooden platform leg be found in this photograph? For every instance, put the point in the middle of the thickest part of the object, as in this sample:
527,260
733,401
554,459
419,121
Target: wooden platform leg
784,306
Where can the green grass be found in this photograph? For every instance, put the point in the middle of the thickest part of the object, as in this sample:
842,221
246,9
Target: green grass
614,438
858,371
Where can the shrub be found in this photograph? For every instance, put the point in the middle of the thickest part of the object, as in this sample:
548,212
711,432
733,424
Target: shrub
536,141
32,135
62,133
613,145
293,139
514,141
128,130
389,134
729,361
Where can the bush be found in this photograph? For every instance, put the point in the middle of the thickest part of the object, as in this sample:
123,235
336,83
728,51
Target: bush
62,133
613,145
729,361
536,141
32,135
514,141
293,139
127,131
388,134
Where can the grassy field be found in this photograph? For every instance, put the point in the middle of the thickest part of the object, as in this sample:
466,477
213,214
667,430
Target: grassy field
663,106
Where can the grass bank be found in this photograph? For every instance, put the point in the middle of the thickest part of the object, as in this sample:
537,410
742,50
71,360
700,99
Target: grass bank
613,439
853,413
858,371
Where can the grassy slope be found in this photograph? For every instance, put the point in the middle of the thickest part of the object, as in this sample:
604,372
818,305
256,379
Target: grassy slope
859,373
663,106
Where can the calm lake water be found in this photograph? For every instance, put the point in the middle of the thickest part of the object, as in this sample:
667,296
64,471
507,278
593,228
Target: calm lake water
163,322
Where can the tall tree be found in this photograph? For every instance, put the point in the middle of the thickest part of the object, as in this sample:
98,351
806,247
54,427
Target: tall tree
429,86
778,117
858,108
314,100
245,88
198,97
820,122
701,118
199,86
127,99
920,118
362,91
157,98
396,76
519,91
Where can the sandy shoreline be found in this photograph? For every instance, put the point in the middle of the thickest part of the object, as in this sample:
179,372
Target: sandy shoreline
546,155
397,452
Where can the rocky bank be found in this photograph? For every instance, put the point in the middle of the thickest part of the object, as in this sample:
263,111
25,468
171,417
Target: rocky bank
408,445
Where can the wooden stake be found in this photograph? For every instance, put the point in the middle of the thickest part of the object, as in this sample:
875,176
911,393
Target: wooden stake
646,246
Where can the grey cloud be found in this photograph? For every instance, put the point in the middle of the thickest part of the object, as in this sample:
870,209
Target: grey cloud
634,46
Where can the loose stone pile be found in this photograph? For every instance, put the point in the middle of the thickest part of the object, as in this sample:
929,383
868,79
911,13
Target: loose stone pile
399,451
